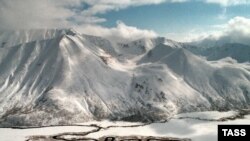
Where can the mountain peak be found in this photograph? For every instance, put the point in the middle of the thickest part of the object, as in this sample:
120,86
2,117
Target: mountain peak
80,78
71,32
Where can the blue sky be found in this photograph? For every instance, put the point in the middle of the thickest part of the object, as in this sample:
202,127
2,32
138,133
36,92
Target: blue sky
176,17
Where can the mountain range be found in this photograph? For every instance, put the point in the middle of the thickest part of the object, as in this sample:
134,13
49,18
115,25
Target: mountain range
61,77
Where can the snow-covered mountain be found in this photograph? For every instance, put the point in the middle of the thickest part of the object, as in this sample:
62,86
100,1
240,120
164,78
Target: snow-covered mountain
51,77
236,51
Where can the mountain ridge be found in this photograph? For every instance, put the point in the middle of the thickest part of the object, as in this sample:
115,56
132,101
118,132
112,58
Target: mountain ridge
75,78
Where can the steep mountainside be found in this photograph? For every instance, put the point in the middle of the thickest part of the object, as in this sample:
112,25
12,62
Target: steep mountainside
51,77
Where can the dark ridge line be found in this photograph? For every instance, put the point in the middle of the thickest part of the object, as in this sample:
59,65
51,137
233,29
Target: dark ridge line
94,131
37,127
98,128
59,136
72,125
240,115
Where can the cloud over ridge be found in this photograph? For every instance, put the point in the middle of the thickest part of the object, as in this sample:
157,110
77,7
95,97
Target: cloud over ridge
229,2
84,15
236,30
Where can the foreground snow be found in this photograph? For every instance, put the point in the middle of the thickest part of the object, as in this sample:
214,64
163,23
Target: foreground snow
193,128
8,134
107,123
209,115
182,126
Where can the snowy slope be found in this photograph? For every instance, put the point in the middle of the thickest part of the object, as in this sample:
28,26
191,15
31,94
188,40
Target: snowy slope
55,77
60,76
239,52
11,38
219,85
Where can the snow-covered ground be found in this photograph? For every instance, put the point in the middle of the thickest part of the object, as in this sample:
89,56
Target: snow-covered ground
208,115
195,129
9,134
179,127
107,123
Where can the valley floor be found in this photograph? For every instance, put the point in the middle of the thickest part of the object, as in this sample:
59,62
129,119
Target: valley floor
199,126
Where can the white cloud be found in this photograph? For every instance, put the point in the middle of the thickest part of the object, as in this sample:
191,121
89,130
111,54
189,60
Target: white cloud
83,15
67,13
15,14
102,6
79,14
120,33
236,30
229,2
